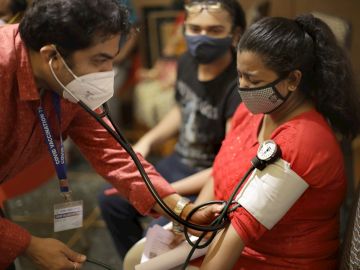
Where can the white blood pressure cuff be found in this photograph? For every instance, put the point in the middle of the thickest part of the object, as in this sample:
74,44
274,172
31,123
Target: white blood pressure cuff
270,193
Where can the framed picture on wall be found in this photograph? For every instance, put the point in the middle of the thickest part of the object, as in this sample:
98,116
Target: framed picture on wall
159,26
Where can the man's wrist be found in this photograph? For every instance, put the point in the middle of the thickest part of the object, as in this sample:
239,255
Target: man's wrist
186,211
179,208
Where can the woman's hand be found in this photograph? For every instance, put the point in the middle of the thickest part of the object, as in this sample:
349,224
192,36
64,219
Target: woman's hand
51,254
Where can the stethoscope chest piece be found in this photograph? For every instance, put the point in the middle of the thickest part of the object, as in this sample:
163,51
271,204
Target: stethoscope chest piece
267,153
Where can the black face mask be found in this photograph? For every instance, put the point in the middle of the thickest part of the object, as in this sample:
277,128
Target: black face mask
206,49
264,99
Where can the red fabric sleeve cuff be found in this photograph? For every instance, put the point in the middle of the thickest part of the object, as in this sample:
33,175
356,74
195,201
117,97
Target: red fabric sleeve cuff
140,197
14,242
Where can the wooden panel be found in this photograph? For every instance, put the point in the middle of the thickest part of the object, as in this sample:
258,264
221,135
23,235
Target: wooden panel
282,8
143,3
158,24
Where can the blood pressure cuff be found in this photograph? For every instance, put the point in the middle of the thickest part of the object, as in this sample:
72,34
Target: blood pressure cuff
270,193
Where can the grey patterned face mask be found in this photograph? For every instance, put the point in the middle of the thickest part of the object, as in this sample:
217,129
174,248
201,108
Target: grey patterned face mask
264,99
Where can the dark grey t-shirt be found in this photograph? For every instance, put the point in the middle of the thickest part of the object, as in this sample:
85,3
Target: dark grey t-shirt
205,108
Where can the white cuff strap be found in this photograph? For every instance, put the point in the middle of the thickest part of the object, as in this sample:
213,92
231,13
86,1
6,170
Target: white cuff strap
270,193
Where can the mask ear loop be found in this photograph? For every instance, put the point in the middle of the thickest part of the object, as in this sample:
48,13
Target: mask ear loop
105,110
60,83
67,67
277,91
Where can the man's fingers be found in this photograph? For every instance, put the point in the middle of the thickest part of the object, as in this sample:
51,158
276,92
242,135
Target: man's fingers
74,256
72,266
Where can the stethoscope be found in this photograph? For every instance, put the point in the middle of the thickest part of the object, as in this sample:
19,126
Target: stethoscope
267,153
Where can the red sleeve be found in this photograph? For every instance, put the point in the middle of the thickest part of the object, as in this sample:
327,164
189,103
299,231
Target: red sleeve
248,228
312,149
14,242
112,162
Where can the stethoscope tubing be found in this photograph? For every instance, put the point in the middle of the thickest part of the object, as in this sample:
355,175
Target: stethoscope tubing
219,223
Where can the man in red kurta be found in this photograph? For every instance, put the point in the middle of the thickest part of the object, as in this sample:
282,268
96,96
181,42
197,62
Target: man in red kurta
64,40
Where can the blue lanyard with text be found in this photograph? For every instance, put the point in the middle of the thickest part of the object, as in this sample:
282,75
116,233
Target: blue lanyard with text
58,158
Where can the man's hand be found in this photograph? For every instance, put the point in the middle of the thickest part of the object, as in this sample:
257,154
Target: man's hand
51,254
203,216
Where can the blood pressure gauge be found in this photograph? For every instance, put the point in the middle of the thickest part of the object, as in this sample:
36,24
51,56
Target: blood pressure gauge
268,152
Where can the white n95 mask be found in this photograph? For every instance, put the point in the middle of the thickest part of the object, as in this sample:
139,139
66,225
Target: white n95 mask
94,89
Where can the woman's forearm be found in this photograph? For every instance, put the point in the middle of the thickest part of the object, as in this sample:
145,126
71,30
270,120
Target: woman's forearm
192,184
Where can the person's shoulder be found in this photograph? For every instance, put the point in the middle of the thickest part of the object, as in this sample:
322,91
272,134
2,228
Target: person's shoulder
310,129
308,143
8,35
8,32
185,58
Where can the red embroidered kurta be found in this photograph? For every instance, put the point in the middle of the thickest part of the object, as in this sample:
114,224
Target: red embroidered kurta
22,141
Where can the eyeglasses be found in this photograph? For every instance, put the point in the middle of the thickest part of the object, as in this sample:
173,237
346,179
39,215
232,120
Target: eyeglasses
210,6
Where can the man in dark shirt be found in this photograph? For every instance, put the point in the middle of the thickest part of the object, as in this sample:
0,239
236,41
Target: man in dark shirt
206,95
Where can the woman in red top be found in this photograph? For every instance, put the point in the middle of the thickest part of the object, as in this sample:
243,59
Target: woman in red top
297,87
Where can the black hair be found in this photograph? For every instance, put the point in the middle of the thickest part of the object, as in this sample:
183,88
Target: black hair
307,44
235,10
72,25
18,6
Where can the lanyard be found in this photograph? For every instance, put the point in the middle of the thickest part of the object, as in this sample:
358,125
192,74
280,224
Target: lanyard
58,155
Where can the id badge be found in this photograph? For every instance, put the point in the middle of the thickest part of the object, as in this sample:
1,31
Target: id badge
68,215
